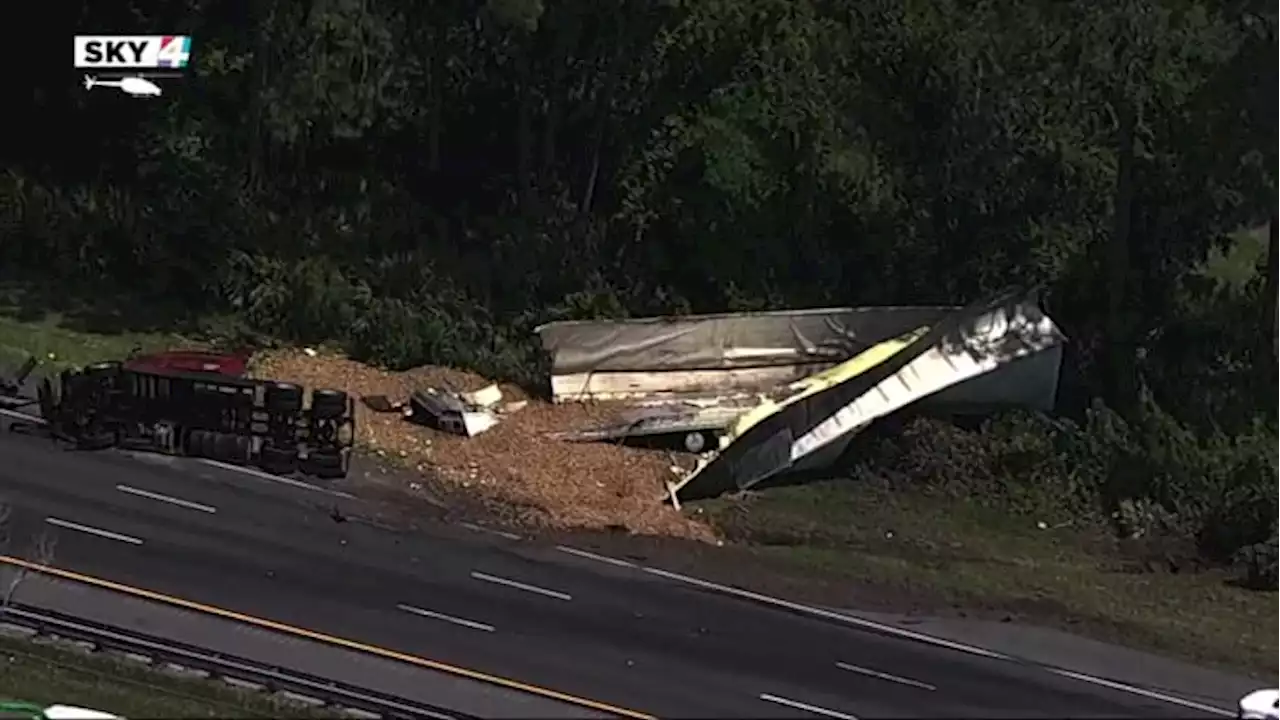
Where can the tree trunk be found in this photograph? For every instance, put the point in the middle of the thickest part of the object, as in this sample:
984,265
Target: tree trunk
1271,288
1120,371
524,134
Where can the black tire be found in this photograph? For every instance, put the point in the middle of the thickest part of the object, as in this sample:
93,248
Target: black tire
279,461
197,443
227,445
328,465
242,447
328,404
48,400
283,398
96,440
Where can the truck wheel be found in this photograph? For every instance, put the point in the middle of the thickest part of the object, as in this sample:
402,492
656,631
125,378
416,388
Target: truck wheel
283,398
232,448
328,465
695,442
328,404
278,461
200,443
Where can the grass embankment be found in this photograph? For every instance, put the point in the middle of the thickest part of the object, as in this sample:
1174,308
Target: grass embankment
46,675
58,347
947,555
63,338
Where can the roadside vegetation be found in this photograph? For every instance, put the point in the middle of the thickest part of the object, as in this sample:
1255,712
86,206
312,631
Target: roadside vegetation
45,675
496,165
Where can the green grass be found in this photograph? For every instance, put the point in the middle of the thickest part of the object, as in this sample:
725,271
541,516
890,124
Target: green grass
47,675
77,334
57,347
948,554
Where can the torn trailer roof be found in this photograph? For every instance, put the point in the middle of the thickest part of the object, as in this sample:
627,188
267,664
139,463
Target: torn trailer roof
813,426
641,361
717,354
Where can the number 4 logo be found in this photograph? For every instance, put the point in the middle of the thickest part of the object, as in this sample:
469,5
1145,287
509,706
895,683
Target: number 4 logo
175,51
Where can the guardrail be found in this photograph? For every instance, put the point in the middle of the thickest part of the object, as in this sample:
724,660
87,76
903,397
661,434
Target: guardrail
335,695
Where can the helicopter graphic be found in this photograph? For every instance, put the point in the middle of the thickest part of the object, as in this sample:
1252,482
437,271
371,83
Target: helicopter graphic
135,86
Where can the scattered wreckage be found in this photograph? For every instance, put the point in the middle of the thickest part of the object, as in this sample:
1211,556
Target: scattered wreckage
191,403
449,410
751,396
759,395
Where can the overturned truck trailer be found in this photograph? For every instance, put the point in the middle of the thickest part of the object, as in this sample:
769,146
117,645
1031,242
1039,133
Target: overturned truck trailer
786,391
813,427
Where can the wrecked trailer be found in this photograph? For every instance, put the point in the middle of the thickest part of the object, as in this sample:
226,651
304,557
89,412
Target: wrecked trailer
692,378
813,427
719,354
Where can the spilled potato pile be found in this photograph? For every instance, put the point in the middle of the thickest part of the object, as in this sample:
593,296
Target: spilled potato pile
559,485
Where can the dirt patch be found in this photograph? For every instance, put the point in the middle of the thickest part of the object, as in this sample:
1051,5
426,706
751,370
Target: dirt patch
546,483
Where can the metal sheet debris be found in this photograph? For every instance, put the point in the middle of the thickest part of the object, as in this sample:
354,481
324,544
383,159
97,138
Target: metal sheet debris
813,426
459,413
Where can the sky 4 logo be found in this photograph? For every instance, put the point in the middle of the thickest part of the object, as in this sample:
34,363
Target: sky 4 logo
111,52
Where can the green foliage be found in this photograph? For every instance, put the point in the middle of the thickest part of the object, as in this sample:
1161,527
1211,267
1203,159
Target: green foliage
1150,478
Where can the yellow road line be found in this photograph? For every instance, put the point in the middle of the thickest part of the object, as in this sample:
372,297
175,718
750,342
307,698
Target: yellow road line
324,638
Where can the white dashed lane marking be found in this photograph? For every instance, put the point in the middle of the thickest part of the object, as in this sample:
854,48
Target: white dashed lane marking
885,676
166,499
88,530
778,700
463,622
483,577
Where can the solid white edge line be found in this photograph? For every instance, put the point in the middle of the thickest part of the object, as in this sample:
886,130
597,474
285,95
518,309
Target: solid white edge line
929,639
1124,687
23,416
805,706
592,556
818,612
491,531
67,524
485,577
446,618
885,676
254,472
128,490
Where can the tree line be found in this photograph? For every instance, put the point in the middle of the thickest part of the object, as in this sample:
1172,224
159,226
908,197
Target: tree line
426,182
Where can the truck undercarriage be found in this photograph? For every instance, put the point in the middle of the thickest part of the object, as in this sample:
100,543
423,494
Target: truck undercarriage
152,407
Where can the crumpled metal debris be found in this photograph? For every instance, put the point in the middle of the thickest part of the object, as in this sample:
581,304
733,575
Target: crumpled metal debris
461,413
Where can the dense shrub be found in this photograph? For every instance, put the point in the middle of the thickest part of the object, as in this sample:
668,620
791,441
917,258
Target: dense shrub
1149,478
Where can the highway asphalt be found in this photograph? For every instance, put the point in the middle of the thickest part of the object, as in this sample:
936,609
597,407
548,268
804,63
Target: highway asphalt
532,613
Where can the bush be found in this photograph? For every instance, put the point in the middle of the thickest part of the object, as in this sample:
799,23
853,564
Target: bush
1258,564
1149,479
394,315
